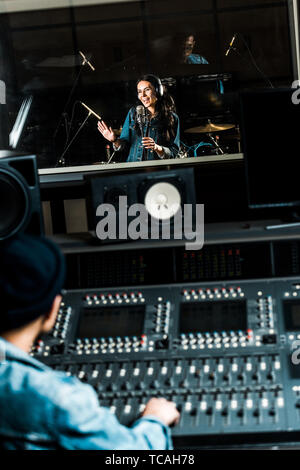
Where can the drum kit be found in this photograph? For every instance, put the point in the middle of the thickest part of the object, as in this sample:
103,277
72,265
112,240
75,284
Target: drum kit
211,146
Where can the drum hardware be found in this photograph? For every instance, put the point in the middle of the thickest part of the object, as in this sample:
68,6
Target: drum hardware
117,131
183,152
186,151
216,144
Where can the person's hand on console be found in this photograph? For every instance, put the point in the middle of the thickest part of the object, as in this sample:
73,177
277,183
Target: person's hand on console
162,409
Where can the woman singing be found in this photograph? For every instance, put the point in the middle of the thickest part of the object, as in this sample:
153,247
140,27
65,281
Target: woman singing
154,136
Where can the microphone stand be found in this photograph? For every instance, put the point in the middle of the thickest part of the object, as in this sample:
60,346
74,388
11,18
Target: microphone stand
253,61
145,124
111,157
61,159
64,115
140,123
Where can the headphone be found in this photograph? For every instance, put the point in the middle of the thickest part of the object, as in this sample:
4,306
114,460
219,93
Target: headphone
156,82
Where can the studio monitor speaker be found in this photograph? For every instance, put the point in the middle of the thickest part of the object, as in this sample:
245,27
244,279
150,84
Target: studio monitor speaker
163,194
20,205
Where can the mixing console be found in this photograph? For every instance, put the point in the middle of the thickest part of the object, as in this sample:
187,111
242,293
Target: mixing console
226,353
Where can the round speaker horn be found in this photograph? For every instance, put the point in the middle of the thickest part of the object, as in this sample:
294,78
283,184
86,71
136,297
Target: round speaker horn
15,203
162,201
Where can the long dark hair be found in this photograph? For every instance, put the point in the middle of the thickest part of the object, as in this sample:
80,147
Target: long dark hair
164,107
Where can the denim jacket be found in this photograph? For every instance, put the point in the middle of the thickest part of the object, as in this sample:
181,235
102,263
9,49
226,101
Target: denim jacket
131,141
43,409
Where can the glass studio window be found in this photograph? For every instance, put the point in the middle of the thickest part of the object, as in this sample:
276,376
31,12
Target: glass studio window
205,52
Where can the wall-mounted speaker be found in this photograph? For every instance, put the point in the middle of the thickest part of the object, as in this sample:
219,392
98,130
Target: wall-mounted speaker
20,204
163,195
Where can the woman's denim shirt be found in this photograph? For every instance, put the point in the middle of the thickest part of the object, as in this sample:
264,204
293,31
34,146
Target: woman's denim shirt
131,141
43,409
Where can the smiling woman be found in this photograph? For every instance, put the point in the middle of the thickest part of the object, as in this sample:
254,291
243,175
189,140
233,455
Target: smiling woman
152,132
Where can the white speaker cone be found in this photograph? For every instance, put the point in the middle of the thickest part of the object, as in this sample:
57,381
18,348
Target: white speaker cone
162,201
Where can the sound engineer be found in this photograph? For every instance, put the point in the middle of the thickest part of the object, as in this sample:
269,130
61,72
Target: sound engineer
45,409
151,130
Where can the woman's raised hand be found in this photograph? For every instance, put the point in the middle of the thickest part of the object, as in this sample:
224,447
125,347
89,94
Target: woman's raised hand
106,131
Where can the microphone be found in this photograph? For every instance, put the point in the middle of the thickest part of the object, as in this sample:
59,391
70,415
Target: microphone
85,61
231,44
140,114
91,111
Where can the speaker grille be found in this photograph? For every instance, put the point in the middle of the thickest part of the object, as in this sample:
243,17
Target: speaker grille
14,203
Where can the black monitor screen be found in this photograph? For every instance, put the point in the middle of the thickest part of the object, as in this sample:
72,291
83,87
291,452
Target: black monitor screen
270,128
291,310
213,316
103,322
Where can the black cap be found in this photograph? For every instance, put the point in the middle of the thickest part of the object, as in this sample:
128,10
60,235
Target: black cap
32,273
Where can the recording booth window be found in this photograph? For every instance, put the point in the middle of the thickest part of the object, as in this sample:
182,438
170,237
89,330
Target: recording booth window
94,54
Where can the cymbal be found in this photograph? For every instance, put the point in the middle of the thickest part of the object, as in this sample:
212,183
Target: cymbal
209,128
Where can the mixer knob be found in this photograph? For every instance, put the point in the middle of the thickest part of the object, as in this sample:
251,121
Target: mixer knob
203,405
233,404
142,407
249,403
127,409
219,405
